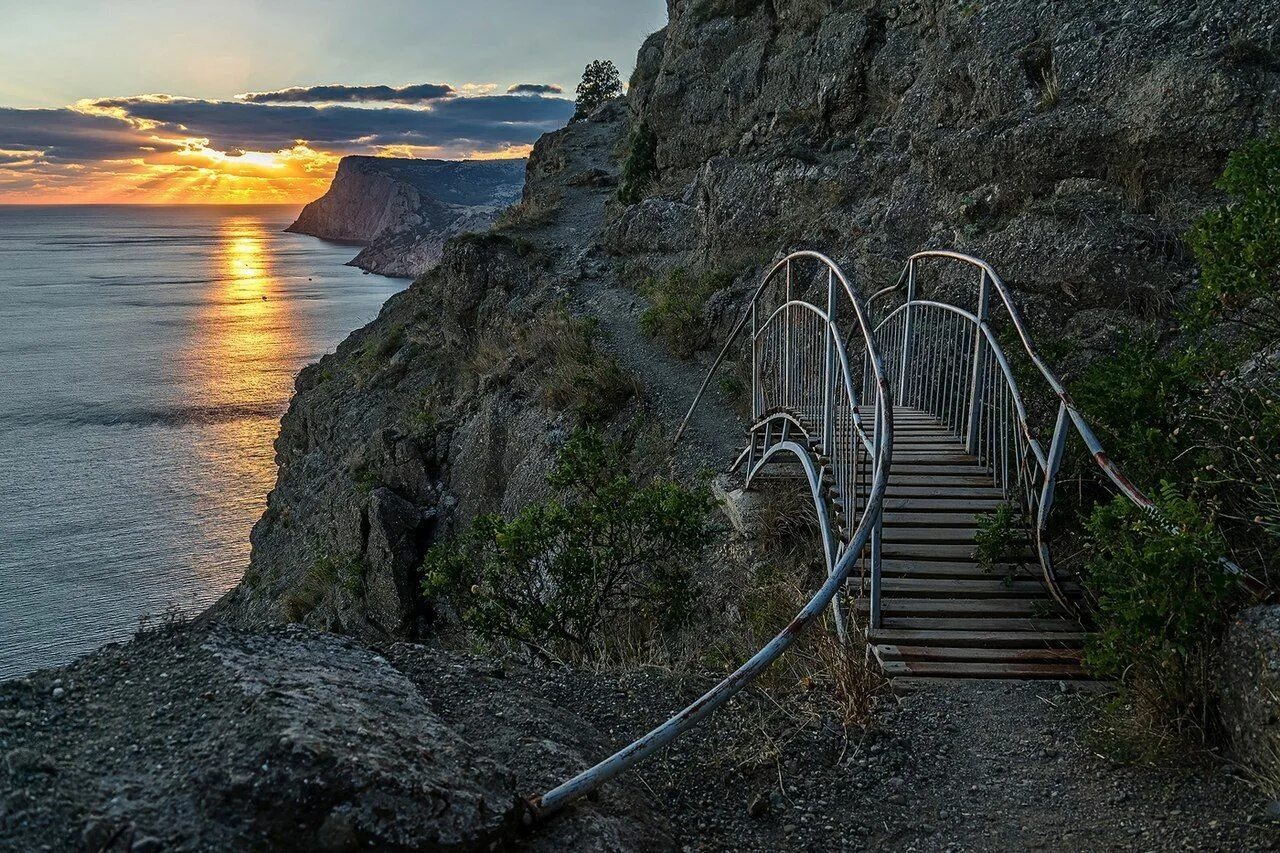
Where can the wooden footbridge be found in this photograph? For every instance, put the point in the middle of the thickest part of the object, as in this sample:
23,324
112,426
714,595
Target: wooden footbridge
904,416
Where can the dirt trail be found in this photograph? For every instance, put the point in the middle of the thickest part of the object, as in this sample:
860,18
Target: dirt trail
572,238
962,766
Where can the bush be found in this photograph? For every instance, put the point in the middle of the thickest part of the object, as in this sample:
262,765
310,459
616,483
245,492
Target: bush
676,314
1162,598
1238,245
1202,414
600,83
1137,400
564,577
641,166
1001,538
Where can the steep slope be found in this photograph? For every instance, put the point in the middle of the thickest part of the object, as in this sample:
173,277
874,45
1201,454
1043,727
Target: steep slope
403,210
1070,144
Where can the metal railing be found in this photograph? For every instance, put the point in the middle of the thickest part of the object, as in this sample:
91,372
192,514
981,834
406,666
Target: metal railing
805,408
947,360
812,391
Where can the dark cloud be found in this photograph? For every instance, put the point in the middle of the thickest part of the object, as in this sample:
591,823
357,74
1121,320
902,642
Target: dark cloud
54,150
337,93
484,121
535,89
68,135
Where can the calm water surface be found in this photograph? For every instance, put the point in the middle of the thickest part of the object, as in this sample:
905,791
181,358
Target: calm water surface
146,355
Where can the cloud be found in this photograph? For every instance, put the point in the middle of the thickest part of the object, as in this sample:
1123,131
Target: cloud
535,89
421,93
72,136
165,147
483,121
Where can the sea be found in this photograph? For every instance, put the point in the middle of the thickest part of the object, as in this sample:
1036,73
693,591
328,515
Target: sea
146,356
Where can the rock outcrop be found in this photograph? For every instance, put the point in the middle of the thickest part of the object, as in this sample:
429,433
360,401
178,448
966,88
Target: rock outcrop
402,211
287,740
1071,145
427,417
1249,688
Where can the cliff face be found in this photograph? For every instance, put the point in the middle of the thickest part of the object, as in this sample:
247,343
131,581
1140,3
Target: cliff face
1070,145
425,418
402,210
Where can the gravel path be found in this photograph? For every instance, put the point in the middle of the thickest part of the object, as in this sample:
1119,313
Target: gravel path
963,766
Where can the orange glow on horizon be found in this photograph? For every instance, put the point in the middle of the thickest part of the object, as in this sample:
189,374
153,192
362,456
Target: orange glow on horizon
187,171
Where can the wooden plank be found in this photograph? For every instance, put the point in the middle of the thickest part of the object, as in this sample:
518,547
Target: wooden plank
961,587
1042,654
938,534
968,608
960,669
921,504
999,570
930,469
926,551
994,624
949,458
899,491
925,518
976,639
941,481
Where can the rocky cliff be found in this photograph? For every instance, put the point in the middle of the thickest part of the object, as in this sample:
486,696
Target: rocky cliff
402,211
1070,144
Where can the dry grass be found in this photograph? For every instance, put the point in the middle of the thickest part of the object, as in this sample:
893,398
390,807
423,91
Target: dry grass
1050,88
531,212
557,358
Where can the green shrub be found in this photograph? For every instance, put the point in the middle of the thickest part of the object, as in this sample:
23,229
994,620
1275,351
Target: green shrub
1001,538
1162,599
564,577
1137,399
1238,245
675,316
1198,415
641,166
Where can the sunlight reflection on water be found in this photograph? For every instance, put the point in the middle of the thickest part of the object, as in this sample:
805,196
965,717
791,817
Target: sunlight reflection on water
146,355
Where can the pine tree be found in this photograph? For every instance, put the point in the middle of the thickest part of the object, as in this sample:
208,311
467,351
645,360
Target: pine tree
600,82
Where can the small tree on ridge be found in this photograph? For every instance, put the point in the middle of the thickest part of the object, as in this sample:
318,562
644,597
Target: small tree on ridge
600,82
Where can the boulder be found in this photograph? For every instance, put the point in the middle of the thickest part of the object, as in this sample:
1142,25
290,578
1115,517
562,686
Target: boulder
1249,687
288,740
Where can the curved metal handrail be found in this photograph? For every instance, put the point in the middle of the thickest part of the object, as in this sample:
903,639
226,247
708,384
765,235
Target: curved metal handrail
1039,500
816,467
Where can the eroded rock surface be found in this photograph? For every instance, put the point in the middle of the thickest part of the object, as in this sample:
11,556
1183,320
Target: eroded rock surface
1250,687
292,739
403,210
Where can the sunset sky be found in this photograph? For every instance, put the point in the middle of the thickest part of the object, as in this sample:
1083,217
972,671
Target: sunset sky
147,102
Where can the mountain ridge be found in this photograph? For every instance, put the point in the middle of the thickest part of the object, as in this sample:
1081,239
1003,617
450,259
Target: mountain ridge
401,210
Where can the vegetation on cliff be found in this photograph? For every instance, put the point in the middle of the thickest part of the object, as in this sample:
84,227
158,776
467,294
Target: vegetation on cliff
1200,416
603,567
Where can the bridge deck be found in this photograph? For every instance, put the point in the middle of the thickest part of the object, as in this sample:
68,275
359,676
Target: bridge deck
943,615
